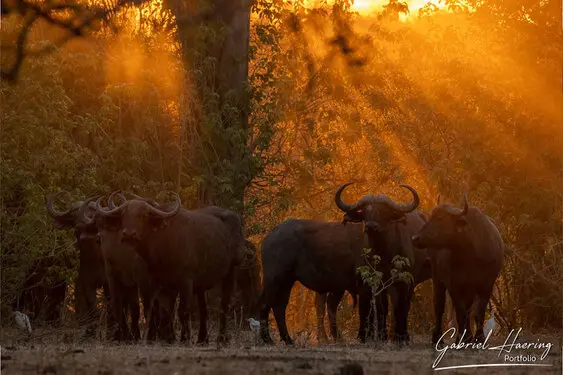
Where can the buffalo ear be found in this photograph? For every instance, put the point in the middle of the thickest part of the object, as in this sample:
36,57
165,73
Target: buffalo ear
461,222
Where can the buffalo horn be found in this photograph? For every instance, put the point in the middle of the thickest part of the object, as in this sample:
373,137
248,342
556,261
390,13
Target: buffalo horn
148,200
119,194
163,214
465,206
52,211
111,212
409,206
339,202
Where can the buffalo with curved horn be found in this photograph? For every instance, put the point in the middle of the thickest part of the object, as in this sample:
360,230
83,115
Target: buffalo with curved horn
185,251
323,256
91,272
127,275
467,253
389,226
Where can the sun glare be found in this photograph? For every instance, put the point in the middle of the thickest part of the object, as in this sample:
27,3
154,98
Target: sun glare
368,7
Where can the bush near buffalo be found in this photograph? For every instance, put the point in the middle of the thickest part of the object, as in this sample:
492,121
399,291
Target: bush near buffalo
465,100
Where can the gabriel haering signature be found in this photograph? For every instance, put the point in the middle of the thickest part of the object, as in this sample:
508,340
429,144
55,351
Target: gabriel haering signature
511,343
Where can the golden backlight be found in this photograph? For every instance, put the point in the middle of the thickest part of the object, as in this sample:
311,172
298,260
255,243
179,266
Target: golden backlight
367,7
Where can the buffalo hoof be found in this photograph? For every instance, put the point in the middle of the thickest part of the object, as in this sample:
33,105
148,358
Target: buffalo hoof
479,337
202,341
169,339
401,339
90,331
323,339
223,338
339,340
436,336
266,338
382,337
202,337
184,337
136,336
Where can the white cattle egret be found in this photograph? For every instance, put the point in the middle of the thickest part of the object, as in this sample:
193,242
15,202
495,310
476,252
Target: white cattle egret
22,321
489,324
254,324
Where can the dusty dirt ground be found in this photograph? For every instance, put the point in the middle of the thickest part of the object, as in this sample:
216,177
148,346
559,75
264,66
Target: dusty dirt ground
53,352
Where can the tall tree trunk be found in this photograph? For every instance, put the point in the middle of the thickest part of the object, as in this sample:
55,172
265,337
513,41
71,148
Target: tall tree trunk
214,35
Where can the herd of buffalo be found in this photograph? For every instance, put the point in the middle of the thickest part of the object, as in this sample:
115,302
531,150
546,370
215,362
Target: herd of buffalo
138,249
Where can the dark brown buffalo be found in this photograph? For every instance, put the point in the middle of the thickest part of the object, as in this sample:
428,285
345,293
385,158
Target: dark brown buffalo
467,254
186,252
91,271
127,275
389,227
323,256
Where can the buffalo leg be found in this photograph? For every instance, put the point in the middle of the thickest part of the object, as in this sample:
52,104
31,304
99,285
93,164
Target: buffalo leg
184,313
265,321
166,301
320,307
202,337
366,321
439,305
462,306
226,293
401,309
382,307
117,307
133,303
482,302
279,314
150,307
86,304
333,300
111,318
153,319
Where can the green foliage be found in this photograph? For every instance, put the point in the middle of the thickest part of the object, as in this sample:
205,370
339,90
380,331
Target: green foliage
374,278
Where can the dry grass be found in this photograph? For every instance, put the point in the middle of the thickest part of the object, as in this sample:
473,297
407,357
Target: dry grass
63,352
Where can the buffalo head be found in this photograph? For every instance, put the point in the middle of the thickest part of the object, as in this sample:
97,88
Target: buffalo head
137,218
76,217
444,226
376,212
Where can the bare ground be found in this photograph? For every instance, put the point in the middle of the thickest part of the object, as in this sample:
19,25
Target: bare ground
53,352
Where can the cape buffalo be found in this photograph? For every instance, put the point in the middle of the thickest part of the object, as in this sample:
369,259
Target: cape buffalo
323,256
467,253
185,251
127,275
389,227
91,271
